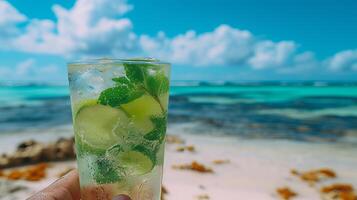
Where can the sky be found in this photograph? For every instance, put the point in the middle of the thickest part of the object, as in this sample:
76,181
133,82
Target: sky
219,40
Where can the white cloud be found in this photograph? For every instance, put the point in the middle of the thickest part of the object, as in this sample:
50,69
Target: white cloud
9,18
100,28
269,54
303,63
28,69
344,61
39,37
9,14
91,27
227,46
224,46
97,28
21,70
24,67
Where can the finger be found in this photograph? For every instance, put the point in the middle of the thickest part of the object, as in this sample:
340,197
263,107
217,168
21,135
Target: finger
66,187
69,183
121,197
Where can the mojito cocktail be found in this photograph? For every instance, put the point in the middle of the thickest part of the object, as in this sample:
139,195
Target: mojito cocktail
119,114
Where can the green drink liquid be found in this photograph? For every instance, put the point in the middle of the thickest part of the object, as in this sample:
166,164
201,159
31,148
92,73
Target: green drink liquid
120,114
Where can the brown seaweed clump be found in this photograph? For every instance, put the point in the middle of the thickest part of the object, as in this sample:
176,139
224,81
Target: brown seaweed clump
32,173
174,139
194,166
286,193
314,176
220,162
338,192
189,148
203,197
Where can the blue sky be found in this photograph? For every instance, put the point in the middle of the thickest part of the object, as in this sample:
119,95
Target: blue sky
205,40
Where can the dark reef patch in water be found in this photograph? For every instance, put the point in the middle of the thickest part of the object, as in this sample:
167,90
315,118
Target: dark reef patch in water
243,119
48,114
240,119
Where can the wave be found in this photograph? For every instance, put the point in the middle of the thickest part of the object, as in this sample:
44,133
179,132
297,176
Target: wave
349,111
262,83
193,83
185,83
29,84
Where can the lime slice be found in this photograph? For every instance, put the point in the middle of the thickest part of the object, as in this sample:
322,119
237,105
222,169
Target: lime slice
133,162
99,127
141,110
83,148
82,104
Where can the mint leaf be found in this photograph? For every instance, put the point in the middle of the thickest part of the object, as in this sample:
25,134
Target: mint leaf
121,81
135,84
118,95
158,133
105,172
136,73
114,96
157,84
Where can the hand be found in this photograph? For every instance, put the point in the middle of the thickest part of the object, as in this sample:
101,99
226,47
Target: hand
65,188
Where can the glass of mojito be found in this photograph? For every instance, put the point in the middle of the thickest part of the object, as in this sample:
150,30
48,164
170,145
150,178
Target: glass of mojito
119,111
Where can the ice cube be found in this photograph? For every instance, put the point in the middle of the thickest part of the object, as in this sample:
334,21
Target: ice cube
92,81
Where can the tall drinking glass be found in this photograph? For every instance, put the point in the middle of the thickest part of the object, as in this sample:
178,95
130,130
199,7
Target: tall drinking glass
119,112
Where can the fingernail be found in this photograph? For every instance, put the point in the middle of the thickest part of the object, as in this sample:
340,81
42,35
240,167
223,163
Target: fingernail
64,176
121,197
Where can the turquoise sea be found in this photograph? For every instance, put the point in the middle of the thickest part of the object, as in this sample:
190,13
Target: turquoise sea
316,112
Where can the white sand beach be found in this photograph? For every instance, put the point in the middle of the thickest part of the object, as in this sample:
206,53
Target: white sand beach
256,168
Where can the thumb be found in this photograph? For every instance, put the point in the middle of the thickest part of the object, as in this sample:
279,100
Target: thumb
66,187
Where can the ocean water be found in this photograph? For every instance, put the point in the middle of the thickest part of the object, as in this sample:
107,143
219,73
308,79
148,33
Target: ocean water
302,111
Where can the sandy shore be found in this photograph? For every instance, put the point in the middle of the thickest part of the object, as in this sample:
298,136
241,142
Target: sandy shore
256,168
254,171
